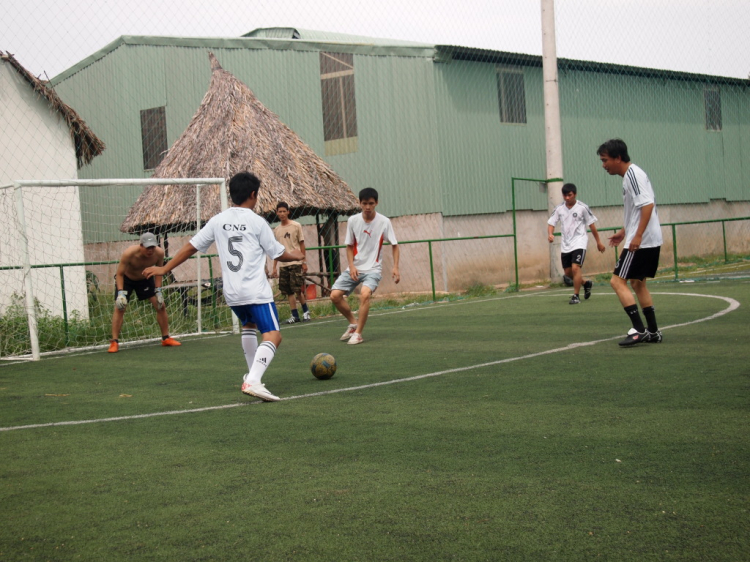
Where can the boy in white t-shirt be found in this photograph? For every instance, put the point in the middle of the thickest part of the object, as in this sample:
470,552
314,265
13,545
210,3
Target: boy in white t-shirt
574,217
365,234
243,240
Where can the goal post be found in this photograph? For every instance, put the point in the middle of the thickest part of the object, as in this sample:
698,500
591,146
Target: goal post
58,258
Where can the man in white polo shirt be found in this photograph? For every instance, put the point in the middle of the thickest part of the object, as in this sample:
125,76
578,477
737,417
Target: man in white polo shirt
642,242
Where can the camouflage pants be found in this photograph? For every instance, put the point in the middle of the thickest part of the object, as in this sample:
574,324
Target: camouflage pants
291,279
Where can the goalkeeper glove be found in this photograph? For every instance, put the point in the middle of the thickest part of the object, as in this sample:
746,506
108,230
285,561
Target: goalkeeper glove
159,298
121,302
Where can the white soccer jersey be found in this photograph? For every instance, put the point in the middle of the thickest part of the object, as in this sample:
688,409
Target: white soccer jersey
243,240
636,193
573,224
367,239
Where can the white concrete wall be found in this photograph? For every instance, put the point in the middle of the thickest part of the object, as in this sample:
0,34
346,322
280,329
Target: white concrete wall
36,144
461,264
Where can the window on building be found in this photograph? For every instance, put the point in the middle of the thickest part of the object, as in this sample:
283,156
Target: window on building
339,104
712,103
511,95
153,136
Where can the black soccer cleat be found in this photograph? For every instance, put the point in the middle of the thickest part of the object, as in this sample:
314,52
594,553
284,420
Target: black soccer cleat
574,300
653,337
587,289
633,338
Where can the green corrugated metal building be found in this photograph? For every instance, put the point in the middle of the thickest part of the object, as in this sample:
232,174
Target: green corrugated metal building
435,128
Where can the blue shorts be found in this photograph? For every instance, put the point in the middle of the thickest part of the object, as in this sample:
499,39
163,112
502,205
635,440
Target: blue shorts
347,284
264,316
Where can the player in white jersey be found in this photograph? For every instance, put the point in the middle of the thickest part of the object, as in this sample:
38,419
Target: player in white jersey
642,235
243,240
574,217
365,234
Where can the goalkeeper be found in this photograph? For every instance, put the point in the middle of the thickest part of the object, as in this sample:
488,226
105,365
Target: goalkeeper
130,278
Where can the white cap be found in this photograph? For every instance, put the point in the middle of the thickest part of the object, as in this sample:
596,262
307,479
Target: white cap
148,240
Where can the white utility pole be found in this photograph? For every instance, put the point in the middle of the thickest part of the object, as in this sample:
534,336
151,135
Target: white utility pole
552,126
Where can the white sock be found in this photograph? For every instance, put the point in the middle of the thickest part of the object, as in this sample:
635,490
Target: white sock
249,346
263,357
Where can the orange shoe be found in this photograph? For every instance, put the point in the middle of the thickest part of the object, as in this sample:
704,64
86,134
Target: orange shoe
170,342
114,347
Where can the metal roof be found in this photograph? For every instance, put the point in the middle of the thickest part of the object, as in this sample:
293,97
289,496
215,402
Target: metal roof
288,38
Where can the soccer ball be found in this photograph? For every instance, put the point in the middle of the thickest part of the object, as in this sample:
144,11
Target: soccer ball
323,366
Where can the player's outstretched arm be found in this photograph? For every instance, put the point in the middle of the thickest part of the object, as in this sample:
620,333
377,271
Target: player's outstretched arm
182,255
291,255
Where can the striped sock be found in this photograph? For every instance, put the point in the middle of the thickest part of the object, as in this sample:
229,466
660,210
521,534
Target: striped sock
249,346
263,357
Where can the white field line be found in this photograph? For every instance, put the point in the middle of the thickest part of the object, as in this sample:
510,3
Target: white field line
732,305
89,350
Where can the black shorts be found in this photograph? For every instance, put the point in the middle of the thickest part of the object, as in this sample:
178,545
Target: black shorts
144,289
575,257
639,264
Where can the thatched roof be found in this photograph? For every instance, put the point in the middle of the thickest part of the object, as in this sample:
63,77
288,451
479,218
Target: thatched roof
234,132
86,143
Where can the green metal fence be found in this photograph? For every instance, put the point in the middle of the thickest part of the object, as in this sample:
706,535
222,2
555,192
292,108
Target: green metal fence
429,243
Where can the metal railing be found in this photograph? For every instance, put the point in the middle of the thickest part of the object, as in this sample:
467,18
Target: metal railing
673,226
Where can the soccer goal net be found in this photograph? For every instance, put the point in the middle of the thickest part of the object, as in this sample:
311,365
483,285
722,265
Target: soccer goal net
60,245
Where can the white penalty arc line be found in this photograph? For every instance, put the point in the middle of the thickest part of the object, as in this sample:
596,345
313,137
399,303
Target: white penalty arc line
733,305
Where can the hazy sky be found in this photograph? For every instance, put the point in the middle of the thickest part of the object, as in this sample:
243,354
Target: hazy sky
703,36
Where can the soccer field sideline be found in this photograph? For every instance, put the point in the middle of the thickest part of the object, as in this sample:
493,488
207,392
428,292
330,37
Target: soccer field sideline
733,304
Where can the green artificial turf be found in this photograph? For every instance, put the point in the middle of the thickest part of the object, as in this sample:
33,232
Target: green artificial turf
528,450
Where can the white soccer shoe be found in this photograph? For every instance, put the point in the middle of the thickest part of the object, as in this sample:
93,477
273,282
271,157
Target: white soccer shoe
306,316
259,390
355,339
349,331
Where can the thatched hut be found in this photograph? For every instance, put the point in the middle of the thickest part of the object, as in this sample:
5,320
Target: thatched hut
233,132
87,144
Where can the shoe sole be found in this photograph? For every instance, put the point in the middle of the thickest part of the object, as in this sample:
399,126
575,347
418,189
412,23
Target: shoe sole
355,342
264,398
346,337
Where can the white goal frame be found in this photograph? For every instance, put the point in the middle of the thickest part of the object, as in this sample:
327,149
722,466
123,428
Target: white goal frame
19,185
